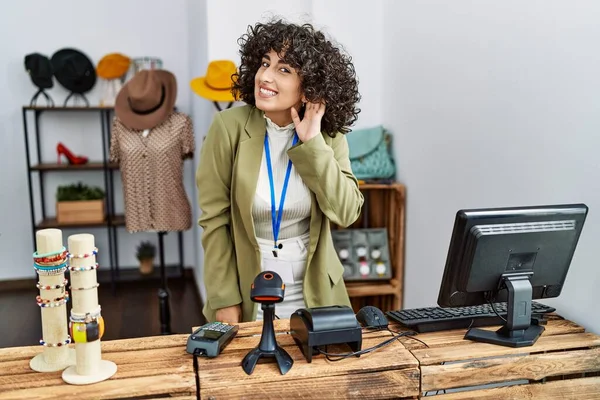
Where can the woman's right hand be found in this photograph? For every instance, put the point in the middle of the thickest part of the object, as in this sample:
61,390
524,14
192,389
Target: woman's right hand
230,315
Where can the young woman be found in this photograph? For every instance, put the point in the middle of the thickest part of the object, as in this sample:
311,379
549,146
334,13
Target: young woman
275,173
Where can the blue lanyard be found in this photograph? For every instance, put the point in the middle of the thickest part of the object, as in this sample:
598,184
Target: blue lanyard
276,216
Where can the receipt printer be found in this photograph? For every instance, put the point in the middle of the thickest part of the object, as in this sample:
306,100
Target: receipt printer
320,326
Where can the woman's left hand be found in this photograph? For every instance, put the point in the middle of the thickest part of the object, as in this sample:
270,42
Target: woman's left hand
310,125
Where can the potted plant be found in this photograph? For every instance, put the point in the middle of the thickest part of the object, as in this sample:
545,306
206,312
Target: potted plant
79,204
145,254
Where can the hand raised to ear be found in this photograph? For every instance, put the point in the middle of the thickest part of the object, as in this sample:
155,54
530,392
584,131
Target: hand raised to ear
310,125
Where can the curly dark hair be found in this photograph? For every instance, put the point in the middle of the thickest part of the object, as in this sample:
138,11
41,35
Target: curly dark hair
326,73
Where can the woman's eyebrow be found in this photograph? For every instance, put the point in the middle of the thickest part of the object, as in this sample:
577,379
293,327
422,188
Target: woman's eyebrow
281,61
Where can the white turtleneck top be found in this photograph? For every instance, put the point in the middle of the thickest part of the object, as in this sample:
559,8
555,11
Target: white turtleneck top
295,220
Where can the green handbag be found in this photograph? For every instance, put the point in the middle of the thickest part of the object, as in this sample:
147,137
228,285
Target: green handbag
370,154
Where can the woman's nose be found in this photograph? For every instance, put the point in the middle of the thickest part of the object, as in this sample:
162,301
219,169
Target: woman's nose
266,75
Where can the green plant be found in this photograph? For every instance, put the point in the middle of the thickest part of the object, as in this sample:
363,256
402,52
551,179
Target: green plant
78,192
145,251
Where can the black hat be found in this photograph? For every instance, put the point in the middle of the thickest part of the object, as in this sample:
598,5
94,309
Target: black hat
74,70
40,70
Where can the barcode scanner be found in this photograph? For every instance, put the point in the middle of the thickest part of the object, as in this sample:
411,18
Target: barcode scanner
267,289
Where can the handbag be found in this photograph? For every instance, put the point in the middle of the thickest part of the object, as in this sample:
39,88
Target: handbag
370,155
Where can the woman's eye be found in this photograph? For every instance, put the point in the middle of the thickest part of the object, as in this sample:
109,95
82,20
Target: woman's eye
265,64
285,70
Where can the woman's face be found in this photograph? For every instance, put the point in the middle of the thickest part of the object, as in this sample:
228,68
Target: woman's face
276,87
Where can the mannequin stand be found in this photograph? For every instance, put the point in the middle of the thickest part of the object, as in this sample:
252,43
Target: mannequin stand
268,346
163,293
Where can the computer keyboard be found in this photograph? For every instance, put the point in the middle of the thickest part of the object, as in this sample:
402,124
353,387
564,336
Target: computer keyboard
433,319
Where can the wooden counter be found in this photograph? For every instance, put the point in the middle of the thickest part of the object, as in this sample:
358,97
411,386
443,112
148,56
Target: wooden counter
390,372
564,363
155,366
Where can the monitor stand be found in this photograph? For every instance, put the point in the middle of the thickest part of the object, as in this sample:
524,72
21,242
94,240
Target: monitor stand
517,331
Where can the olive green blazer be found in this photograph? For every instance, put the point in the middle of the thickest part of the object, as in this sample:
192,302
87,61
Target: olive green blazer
226,178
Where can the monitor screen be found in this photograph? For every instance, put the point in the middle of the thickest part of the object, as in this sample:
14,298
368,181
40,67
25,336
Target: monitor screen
488,244
510,255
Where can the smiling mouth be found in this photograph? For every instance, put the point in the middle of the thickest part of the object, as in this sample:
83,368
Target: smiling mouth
266,92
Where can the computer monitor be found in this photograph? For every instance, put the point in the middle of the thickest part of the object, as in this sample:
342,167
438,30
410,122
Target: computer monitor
512,255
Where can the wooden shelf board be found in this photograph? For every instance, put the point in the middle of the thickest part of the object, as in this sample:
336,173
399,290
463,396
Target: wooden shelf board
361,289
117,220
69,167
62,108
373,186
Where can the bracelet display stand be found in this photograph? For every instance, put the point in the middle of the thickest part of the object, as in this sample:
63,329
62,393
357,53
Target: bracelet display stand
86,323
50,262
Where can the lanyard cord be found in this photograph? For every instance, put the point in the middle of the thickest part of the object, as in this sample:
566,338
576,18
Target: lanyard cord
277,214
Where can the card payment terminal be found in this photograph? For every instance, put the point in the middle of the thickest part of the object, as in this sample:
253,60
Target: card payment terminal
210,339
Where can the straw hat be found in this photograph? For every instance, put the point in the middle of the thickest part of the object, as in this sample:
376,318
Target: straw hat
147,99
113,66
216,84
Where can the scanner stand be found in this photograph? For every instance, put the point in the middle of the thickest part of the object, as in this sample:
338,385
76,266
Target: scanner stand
320,326
268,346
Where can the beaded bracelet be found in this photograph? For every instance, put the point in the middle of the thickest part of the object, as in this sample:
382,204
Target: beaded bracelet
50,259
85,288
78,317
64,343
39,299
51,287
50,254
90,268
50,264
93,253
51,272
55,304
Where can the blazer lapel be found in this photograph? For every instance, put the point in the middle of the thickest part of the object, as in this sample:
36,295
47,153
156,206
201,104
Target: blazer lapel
248,162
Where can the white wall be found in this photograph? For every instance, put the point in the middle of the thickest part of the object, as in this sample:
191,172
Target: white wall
158,28
201,111
494,104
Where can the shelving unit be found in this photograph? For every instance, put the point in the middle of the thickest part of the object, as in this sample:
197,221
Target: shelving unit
384,207
112,220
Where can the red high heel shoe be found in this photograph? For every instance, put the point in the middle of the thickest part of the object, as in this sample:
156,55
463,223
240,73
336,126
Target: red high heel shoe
61,149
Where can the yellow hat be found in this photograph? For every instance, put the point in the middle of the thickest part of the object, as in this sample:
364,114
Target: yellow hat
216,85
113,66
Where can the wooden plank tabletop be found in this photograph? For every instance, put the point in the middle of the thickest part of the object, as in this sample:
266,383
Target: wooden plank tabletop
580,389
564,362
389,372
152,366
564,351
